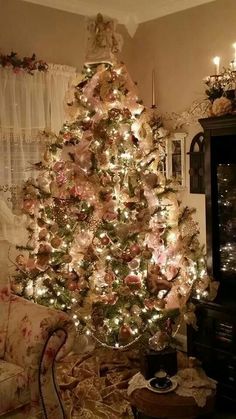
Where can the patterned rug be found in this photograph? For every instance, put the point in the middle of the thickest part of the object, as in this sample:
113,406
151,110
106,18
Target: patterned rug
94,385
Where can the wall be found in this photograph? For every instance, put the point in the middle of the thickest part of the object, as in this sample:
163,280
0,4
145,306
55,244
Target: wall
55,36
180,47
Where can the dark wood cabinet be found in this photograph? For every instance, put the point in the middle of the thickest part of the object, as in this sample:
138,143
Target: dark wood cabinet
215,341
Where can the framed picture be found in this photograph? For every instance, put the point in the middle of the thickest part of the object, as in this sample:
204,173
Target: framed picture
175,157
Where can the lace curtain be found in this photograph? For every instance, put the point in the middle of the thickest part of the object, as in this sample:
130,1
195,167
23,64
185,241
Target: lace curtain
29,104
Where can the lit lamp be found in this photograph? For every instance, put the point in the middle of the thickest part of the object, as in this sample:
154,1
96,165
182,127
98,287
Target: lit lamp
216,61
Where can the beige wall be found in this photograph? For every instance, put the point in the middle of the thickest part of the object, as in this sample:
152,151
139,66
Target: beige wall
55,36
179,46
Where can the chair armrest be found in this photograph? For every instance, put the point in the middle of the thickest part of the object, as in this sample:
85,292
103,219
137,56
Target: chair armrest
29,327
37,336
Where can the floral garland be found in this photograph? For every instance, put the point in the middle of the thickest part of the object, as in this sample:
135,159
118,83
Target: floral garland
27,64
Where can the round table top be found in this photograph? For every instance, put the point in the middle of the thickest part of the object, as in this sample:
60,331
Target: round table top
169,405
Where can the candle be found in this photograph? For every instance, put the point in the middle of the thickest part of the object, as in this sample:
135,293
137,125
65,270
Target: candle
216,61
153,90
234,60
234,45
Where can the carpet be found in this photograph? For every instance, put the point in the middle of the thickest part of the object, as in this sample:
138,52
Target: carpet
94,385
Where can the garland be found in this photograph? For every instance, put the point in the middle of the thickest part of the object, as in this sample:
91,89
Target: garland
27,64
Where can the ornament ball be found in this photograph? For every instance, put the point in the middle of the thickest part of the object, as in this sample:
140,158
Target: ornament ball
72,285
105,240
125,332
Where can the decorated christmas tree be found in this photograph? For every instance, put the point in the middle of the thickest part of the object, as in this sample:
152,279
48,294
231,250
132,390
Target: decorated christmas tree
108,240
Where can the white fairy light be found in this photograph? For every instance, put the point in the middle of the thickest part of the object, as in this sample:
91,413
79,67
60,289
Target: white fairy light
41,291
126,156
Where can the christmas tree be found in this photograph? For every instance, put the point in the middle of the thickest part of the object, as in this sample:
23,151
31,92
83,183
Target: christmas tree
108,240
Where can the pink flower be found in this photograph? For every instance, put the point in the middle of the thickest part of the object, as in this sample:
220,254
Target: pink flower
58,166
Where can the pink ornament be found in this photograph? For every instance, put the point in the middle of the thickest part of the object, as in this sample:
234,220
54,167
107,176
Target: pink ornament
135,249
44,248
72,285
133,281
43,234
105,240
29,205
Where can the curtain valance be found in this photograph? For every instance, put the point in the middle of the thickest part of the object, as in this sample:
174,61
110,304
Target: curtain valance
32,103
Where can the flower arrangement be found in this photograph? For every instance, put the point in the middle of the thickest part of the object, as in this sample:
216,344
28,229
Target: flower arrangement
220,90
27,64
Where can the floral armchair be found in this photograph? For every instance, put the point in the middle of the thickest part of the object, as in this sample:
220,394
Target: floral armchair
32,337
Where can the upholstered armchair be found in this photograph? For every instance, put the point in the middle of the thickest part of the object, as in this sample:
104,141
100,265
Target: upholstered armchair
32,337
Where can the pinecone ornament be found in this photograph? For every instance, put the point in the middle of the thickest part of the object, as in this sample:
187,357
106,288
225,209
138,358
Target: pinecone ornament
222,106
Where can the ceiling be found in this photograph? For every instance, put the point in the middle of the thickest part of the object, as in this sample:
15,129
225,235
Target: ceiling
127,12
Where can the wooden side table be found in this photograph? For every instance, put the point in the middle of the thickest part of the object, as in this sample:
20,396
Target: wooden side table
149,405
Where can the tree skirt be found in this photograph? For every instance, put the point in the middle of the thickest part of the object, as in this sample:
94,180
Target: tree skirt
94,385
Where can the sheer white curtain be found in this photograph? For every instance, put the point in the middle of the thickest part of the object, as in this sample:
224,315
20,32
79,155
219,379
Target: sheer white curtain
29,104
